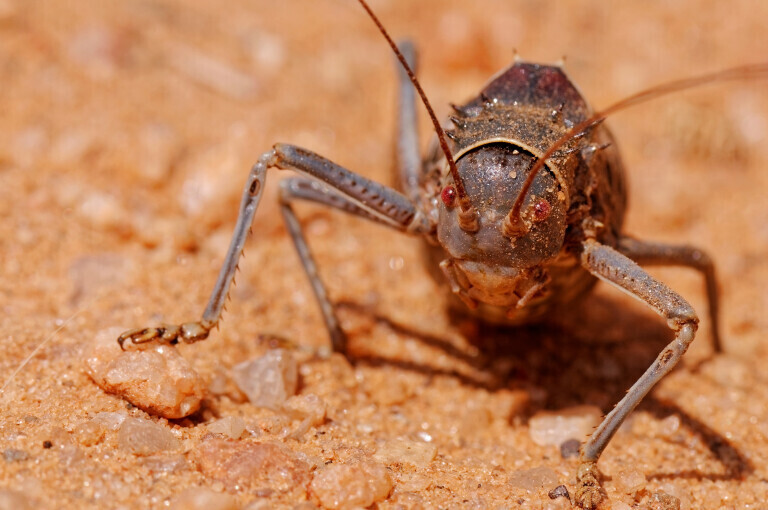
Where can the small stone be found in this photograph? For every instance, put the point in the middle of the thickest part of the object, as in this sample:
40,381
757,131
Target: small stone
268,381
89,433
203,498
14,455
308,407
230,426
555,428
15,500
630,481
259,504
109,421
669,426
533,479
261,465
678,492
663,501
342,486
144,437
102,211
157,379
561,491
405,451
166,463
570,448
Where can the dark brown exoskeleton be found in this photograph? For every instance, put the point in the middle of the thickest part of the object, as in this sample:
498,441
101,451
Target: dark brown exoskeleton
523,213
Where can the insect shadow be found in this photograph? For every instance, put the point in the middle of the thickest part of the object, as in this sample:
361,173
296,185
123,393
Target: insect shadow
567,358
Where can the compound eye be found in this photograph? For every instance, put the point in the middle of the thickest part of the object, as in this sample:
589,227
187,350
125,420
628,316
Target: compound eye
448,196
541,210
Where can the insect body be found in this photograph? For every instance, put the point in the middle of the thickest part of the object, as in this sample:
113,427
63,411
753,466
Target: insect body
498,137
522,206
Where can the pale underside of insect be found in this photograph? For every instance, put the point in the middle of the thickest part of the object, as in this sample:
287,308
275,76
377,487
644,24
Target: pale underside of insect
522,207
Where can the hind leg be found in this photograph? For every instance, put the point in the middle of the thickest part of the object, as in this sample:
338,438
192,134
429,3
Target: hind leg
618,270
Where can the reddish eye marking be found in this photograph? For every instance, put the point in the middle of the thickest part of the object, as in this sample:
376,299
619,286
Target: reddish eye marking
448,196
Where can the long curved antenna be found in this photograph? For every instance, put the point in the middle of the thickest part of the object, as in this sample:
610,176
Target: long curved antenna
468,218
514,226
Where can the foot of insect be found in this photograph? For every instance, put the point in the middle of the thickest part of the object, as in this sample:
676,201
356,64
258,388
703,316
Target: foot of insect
588,492
168,334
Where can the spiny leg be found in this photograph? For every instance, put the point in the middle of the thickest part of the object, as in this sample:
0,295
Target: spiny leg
647,253
617,269
314,191
409,164
385,204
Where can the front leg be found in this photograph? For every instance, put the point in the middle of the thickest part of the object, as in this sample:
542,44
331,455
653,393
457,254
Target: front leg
615,268
375,200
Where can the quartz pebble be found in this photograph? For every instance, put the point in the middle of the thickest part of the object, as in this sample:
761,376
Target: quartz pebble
306,407
554,428
261,465
533,479
109,421
203,498
157,379
89,433
268,381
230,426
630,481
165,463
405,451
663,501
144,437
360,484
14,455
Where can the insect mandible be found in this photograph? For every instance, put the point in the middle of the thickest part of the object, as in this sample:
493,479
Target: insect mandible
522,203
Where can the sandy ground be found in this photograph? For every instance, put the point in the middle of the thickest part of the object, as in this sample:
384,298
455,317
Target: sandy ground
127,129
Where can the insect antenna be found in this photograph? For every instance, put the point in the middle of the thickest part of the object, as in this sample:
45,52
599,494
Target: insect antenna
513,223
468,215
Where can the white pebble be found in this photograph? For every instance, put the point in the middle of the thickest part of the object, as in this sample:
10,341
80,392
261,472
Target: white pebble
556,427
144,437
268,381
357,485
406,451
630,481
110,421
203,498
308,407
230,426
